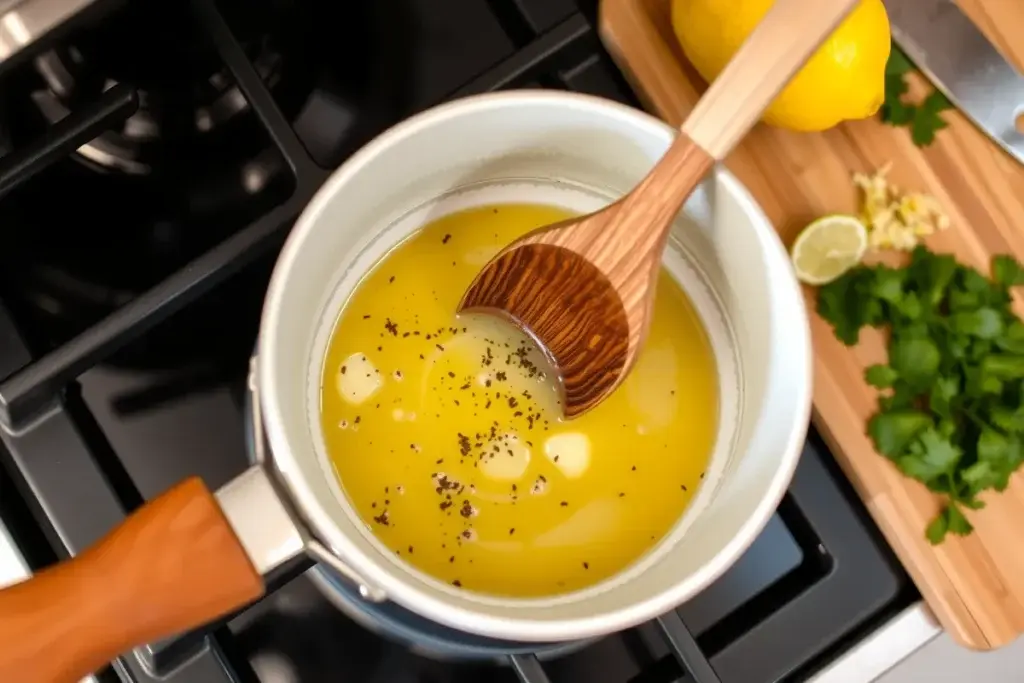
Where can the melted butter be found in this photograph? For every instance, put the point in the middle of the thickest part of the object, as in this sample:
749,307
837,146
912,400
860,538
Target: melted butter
446,435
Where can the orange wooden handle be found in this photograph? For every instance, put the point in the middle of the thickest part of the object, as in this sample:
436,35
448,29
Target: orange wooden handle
173,564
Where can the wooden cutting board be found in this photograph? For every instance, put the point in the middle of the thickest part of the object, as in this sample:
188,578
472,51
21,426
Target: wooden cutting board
975,585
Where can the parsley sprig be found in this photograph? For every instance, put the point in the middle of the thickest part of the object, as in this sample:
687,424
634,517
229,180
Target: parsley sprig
951,414
923,119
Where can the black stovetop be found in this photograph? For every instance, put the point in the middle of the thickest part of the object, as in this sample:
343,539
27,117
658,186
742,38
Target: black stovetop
132,273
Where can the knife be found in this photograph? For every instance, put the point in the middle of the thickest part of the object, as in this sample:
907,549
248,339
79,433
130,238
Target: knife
960,61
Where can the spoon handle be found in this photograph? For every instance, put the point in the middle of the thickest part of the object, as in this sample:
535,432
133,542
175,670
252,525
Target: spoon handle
781,43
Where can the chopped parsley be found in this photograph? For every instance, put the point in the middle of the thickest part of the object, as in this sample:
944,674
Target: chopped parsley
951,414
924,119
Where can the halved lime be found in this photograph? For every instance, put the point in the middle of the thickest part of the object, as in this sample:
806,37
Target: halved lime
828,247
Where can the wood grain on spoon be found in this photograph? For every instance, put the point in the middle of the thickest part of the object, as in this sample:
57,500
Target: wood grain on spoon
584,288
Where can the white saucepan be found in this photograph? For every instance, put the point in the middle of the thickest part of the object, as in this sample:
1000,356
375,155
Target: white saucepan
190,556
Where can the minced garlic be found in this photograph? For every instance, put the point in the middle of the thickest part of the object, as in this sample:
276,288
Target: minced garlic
896,220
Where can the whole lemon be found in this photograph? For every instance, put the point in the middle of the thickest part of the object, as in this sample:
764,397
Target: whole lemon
844,79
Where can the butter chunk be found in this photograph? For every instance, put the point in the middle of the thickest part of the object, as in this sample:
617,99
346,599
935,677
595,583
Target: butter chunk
569,452
358,379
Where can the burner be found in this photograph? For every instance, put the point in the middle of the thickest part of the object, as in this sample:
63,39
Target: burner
185,93
190,168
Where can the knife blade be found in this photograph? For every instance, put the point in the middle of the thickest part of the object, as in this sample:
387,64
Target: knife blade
960,61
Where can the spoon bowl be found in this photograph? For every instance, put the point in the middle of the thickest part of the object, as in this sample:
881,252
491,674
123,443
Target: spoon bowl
583,290
585,330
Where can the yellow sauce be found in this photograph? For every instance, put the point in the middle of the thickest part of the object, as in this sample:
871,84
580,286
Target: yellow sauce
447,440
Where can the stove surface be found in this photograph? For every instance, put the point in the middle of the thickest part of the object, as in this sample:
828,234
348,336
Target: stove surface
143,211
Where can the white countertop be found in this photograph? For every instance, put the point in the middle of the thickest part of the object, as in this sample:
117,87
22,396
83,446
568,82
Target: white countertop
943,661
12,566
912,648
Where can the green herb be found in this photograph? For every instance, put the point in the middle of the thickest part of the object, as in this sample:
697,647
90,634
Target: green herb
951,411
923,119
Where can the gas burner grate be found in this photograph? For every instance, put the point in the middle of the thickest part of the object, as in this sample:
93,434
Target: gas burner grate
67,135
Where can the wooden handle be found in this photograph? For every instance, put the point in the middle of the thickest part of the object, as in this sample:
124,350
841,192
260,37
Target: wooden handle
781,43
643,218
173,564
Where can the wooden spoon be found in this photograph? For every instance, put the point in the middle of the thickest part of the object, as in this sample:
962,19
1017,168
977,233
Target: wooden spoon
584,288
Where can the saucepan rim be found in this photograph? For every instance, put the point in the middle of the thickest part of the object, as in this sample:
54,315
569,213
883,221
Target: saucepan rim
284,461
